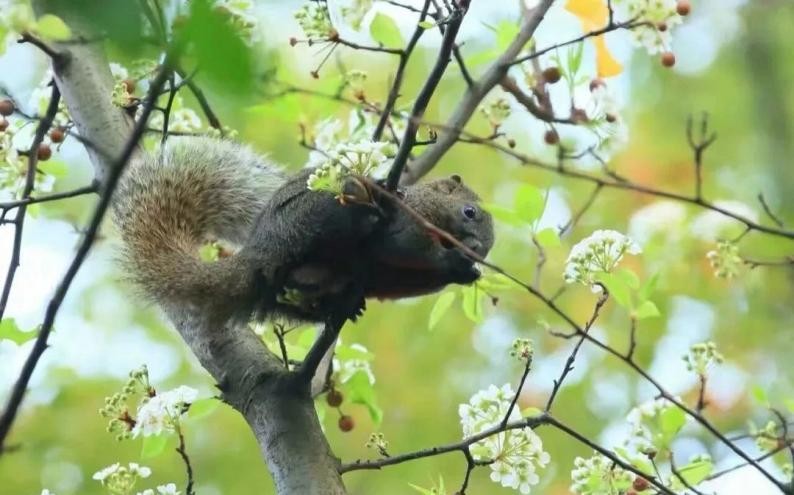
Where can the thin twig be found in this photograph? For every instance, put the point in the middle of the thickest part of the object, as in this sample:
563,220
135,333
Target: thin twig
109,186
186,459
602,299
30,179
394,92
50,197
768,211
423,99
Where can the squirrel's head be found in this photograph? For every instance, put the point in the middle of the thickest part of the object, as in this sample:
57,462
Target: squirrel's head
459,213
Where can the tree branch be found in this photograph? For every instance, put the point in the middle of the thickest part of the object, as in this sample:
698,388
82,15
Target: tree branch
474,95
423,99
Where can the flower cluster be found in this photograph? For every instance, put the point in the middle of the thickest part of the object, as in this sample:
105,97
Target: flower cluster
659,16
516,454
365,158
497,111
701,356
378,442
654,424
598,475
163,411
116,408
725,260
315,21
523,349
354,14
767,438
120,479
238,13
599,253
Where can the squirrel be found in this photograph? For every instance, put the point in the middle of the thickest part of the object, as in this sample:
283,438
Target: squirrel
302,254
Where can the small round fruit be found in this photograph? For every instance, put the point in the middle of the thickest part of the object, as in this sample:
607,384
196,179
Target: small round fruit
551,137
346,423
552,75
661,26
6,107
3,124
640,484
683,7
511,142
668,59
57,135
44,152
334,398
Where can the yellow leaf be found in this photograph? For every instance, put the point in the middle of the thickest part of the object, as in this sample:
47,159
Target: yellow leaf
594,15
590,12
606,65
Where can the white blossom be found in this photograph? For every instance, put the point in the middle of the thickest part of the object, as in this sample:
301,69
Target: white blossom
161,412
661,17
598,253
102,474
169,489
661,217
598,475
517,454
648,431
46,492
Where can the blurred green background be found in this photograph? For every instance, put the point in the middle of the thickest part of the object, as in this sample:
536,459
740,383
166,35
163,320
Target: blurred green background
733,63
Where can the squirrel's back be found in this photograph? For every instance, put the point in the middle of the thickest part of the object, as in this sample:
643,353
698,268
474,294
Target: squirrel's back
173,200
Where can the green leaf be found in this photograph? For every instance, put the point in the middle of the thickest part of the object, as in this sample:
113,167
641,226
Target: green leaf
153,445
529,203
427,24
345,352
506,31
362,392
647,309
789,405
385,31
671,420
696,471
629,277
55,168
472,304
503,214
10,331
440,308
203,407
648,288
548,237
219,50
639,461
120,20
759,394
531,412
52,27
617,288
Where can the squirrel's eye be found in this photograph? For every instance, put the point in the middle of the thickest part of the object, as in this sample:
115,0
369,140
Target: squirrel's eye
469,211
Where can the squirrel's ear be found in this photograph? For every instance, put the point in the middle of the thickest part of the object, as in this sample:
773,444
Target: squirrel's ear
456,178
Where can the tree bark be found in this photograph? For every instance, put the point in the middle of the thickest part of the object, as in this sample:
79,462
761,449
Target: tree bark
253,380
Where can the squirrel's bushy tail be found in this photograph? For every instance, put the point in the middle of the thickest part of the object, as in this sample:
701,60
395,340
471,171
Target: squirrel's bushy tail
172,201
